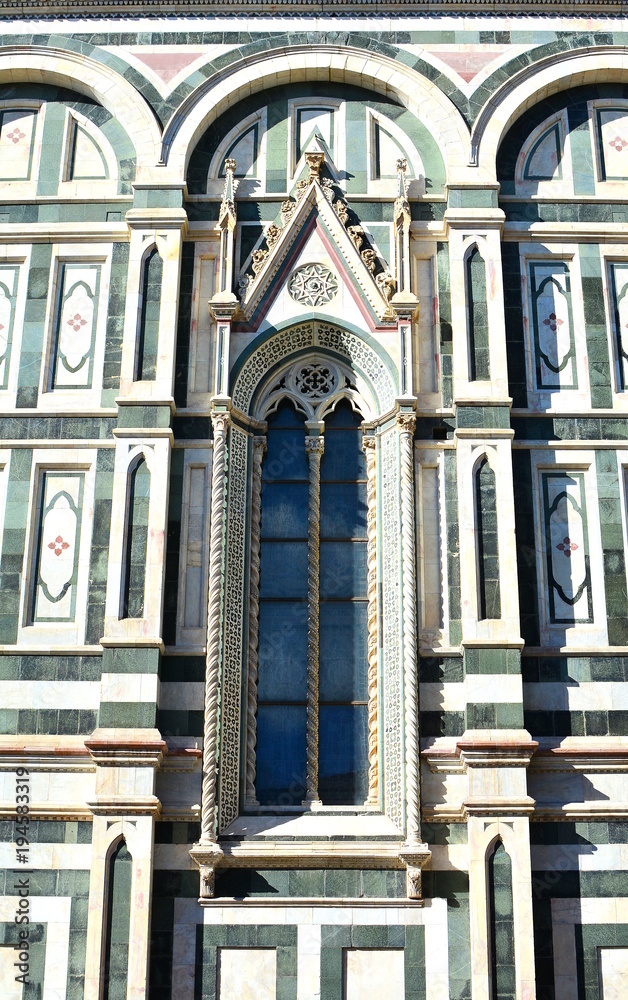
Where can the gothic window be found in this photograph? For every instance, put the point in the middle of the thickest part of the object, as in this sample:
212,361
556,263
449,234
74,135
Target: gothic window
148,327
136,542
312,726
477,313
501,921
487,554
118,923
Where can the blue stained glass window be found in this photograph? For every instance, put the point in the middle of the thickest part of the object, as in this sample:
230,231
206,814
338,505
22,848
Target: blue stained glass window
282,650
283,621
342,752
343,732
281,753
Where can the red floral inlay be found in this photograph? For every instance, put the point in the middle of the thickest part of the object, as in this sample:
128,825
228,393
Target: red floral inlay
618,143
567,546
16,135
58,545
553,322
76,322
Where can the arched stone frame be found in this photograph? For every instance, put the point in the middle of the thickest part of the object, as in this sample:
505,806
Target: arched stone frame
84,75
487,239
108,187
484,833
282,66
335,381
371,364
541,79
470,453
548,188
137,832
130,449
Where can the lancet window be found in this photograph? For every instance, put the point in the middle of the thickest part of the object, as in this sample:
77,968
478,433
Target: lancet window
312,713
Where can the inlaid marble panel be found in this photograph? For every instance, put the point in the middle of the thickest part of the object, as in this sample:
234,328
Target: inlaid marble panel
567,548
550,308
612,128
9,275
17,134
57,555
76,326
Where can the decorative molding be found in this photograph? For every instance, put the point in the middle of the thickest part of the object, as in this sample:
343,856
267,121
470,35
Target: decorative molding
369,444
233,628
311,195
220,423
406,423
45,9
281,346
314,447
392,715
259,447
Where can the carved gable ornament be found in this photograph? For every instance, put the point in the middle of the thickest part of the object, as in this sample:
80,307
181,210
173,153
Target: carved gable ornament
315,284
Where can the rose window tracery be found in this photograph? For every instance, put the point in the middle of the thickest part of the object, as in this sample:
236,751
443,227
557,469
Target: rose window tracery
312,285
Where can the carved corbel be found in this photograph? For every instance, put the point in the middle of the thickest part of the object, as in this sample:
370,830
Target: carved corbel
415,859
207,858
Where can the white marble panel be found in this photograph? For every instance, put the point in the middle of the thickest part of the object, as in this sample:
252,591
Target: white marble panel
613,973
247,973
10,989
50,694
371,974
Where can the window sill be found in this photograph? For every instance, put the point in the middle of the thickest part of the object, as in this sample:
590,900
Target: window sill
348,825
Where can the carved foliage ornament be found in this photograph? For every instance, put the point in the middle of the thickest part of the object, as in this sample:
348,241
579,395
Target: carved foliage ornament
312,285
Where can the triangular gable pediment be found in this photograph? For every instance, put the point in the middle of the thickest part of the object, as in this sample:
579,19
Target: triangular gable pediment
311,220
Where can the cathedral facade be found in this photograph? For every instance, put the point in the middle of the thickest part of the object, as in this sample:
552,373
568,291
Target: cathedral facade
313,501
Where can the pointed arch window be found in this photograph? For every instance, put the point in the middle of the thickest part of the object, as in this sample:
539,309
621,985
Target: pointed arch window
133,594
118,923
312,702
148,324
501,924
477,317
487,554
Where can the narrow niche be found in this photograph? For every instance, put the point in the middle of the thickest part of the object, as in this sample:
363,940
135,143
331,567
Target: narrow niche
118,923
502,937
136,549
148,329
487,551
477,317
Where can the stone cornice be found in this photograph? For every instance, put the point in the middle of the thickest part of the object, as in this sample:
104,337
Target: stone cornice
12,9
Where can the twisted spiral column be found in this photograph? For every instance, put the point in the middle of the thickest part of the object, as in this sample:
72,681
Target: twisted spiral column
220,423
406,423
259,447
314,447
368,445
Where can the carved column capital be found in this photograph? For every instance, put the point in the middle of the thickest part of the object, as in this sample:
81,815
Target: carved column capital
315,445
406,422
220,423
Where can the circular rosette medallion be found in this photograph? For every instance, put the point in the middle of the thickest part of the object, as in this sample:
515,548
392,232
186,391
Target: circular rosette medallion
313,285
